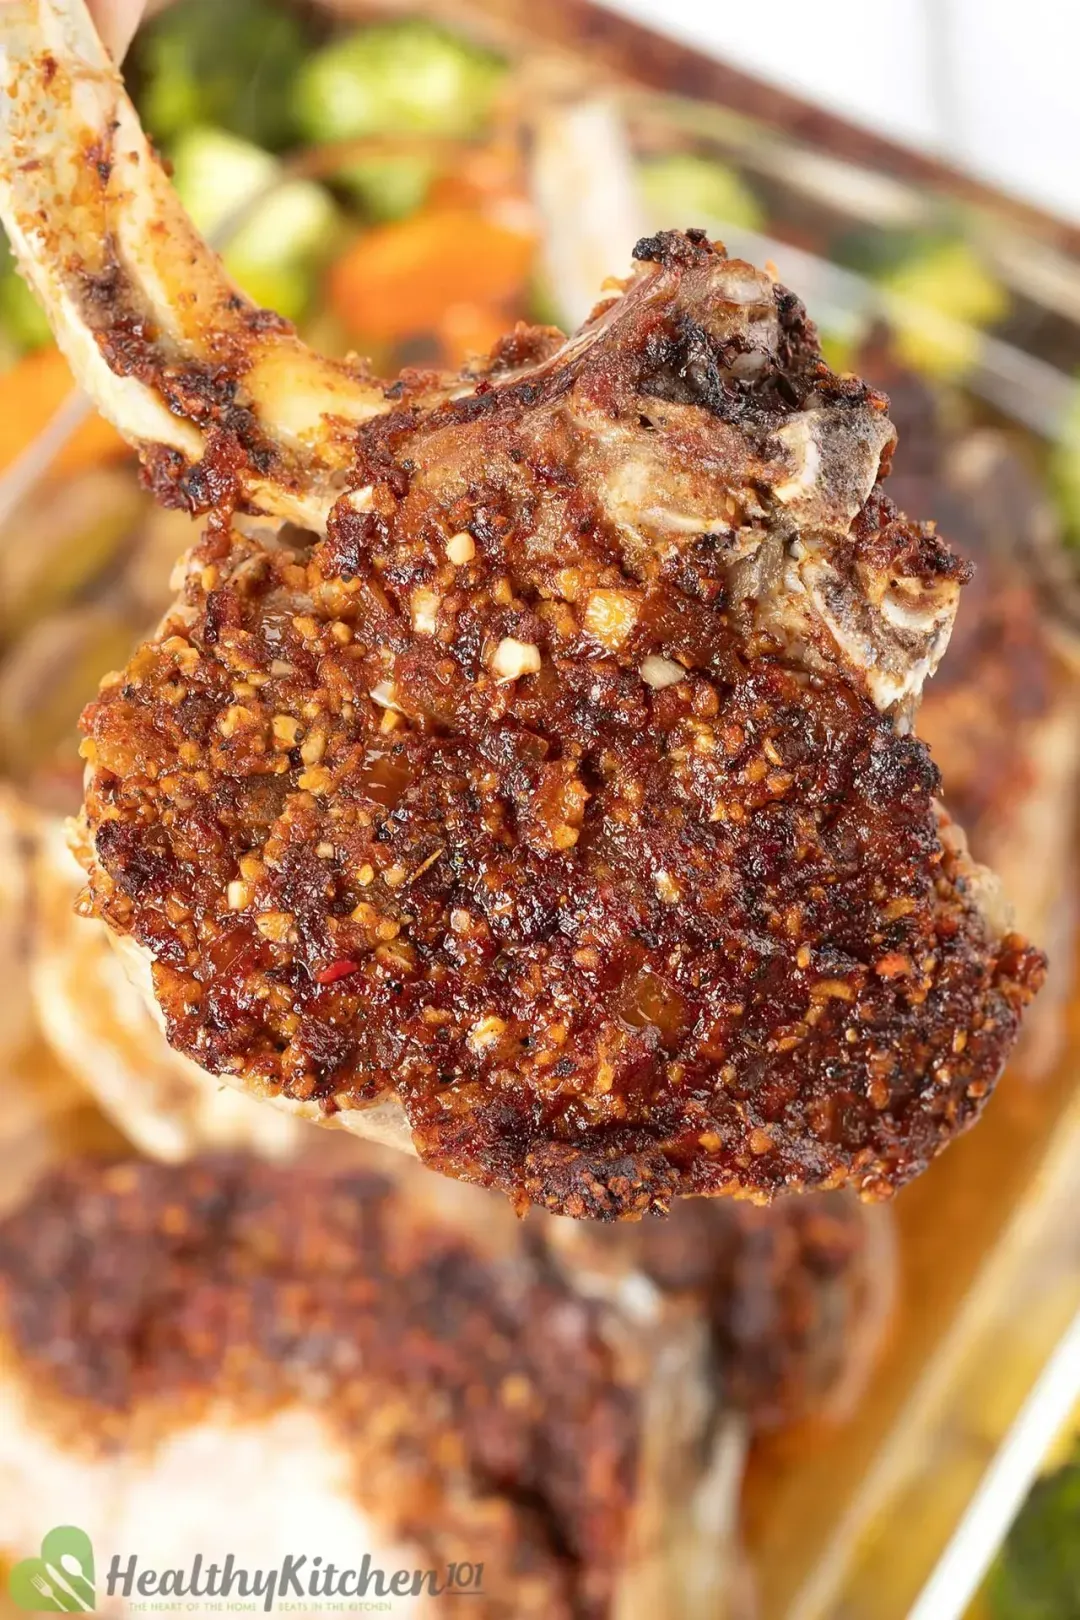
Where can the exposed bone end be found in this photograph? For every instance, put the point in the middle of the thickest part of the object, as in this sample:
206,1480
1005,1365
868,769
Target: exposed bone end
776,481
891,633
733,300
120,250
832,460
890,627
124,229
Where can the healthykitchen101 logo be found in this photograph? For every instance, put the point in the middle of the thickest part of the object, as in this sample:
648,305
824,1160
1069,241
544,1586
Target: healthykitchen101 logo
61,1581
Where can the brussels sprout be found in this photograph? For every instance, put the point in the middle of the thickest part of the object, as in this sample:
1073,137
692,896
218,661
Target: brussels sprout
285,288
271,253
389,187
684,189
943,283
22,319
227,62
1037,1575
216,174
396,78
874,251
951,277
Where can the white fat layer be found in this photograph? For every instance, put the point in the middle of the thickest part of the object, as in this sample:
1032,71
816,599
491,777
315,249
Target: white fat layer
258,1490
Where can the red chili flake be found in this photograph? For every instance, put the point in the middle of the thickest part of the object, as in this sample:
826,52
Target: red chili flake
337,970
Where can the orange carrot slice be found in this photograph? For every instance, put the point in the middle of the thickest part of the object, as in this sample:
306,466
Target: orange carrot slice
30,395
399,279
469,331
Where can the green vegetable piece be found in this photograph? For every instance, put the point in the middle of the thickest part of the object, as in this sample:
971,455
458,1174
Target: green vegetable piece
216,174
1037,1573
22,319
21,316
285,288
943,283
685,189
273,253
839,350
389,187
396,78
227,62
543,306
874,251
1065,470
951,277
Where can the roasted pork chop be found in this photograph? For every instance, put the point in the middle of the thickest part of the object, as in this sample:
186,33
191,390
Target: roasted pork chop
797,1294
225,1358
557,812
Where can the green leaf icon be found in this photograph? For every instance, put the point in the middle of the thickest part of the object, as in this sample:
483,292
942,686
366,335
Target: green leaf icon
61,1580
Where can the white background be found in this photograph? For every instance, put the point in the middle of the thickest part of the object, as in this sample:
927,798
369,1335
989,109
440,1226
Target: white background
994,85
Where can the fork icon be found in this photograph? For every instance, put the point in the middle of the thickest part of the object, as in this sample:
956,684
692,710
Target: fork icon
67,1602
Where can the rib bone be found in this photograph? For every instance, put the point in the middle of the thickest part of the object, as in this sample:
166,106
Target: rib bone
150,323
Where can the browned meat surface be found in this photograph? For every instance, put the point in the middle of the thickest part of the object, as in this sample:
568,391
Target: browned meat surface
152,1270
482,1410
552,791
999,681
1002,715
